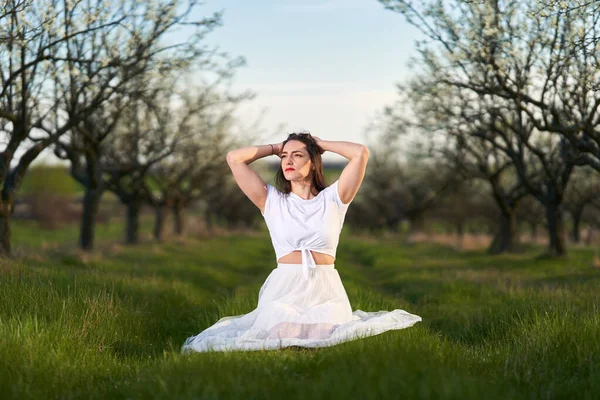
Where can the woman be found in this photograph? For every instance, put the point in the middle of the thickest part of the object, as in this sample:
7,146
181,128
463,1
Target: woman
302,302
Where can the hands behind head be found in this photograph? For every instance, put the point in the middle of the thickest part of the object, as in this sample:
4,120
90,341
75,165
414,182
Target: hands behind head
292,136
319,142
277,149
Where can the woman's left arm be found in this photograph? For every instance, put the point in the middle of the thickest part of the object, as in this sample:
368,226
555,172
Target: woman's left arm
353,173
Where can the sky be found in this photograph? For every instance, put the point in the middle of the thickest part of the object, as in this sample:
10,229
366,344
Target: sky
327,66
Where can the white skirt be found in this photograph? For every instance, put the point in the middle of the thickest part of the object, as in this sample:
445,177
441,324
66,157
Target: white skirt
298,310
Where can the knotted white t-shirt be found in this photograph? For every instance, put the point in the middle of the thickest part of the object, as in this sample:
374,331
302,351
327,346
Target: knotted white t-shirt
298,224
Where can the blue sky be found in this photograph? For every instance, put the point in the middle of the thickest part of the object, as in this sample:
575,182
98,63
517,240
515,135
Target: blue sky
323,65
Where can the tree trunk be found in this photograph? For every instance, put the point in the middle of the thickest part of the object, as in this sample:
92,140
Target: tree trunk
392,224
208,219
460,233
589,236
575,236
505,239
133,221
5,249
178,221
159,221
556,230
91,203
416,222
533,229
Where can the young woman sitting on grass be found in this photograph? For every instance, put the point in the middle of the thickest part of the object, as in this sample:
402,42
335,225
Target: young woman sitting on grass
302,302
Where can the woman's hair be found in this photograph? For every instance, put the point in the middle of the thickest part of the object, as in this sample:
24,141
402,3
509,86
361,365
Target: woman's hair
314,152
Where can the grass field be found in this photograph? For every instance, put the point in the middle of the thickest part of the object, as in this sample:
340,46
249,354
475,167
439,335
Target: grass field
110,325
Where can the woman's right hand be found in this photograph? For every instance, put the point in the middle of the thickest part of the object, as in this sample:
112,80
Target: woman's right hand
277,149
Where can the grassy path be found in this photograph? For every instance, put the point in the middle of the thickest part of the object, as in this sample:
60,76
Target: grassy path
111,325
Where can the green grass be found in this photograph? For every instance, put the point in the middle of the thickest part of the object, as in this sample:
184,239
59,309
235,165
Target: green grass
110,325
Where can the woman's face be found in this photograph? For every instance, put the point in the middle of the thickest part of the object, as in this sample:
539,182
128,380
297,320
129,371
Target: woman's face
295,161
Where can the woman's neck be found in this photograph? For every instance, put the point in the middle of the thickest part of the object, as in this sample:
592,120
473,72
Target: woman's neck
304,189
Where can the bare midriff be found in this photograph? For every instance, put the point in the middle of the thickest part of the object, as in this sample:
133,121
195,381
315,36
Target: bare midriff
295,257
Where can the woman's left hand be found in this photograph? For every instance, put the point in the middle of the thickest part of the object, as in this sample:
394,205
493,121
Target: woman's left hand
319,143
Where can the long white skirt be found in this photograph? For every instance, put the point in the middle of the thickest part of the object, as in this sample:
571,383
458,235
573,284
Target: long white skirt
298,310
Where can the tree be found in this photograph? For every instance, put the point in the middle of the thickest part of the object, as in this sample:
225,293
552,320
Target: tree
197,166
582,191
34,55
139,142
137,51
397,189
495,50
444,114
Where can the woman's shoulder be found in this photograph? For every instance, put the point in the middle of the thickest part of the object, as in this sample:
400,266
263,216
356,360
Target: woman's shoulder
333,187
334,194
273,191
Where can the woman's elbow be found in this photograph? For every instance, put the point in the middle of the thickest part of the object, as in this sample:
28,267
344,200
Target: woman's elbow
363,152
231,159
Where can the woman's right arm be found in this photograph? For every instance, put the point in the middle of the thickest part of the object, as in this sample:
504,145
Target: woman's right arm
247,179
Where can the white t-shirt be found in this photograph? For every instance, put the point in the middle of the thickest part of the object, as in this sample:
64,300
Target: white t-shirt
305,225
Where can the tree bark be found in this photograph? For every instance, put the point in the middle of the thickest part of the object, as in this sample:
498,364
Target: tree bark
575,234
5,247
460,234
556,230
178,222
392,224
208,219
416,222
159,222
533,229
133,221
589,236
505,239
91,203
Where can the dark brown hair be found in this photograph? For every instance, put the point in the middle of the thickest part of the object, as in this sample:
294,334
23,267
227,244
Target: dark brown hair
314,152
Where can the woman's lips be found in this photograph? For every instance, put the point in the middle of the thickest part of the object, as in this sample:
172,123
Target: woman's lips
289,169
